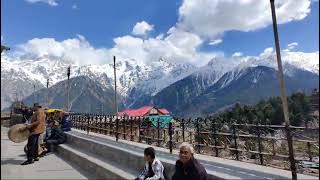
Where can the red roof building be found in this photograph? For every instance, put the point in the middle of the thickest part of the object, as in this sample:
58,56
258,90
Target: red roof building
144,111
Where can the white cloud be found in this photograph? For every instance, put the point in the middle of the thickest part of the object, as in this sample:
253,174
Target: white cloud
210,18
215,42
50,2
292,45
267,52
142,28
74,6
177,46
77,49
237,54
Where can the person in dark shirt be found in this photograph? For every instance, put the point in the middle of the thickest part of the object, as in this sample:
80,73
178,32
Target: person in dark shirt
187,167
66,122
26,113
57,136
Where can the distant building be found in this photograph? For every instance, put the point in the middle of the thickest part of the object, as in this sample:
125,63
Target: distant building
144,111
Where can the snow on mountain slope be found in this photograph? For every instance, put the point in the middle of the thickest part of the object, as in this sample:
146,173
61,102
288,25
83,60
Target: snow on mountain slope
148,78
138,79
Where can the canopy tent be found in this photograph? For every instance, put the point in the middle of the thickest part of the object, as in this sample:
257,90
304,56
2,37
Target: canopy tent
164,120
54,110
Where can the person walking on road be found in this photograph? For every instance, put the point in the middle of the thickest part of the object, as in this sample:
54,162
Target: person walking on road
36,127
187,167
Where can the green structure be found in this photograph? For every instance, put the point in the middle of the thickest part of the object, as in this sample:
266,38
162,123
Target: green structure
164,120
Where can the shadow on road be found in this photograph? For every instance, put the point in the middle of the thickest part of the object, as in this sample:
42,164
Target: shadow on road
11,161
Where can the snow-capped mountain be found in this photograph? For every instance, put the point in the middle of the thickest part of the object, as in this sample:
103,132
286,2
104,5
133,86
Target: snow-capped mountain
139,83
247,79
131,77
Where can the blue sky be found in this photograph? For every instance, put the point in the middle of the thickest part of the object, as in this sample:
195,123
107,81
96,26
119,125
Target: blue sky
98,20
101,21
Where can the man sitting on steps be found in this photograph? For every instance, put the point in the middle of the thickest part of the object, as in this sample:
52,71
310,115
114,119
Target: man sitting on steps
187,167
57,136
153,169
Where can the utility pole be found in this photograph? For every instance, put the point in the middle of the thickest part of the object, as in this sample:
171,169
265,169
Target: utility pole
115,86
283,93
68,100
34,93
16,97
48,92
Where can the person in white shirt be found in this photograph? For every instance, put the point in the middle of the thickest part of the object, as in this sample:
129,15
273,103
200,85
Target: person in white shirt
153,169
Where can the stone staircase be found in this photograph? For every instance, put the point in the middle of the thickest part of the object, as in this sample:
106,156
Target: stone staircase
101,157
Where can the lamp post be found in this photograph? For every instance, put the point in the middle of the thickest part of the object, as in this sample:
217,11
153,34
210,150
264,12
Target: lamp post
115,86
283,93
34,93
68,88
47,92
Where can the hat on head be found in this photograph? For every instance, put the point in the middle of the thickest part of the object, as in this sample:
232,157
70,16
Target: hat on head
36,105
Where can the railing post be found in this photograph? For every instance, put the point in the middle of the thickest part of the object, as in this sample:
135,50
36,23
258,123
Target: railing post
88,124
117,128
291,157
131,129
164,135
170,137
182,124
308,143
100,125
153,131
259,144
148,131
235,141
124,128
158,128
198,135
214,129
139,129
95,123
105,125
110,125
77,122
81,122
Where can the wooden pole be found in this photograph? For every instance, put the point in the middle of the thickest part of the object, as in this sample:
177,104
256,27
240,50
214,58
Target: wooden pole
47,92
283,93
68,90
115,86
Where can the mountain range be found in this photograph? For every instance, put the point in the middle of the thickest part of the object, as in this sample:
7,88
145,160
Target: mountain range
182,88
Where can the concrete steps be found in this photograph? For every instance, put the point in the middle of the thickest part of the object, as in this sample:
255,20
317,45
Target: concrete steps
80,148
92,151
93,166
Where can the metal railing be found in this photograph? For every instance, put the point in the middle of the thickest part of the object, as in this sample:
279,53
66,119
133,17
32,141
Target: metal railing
262,144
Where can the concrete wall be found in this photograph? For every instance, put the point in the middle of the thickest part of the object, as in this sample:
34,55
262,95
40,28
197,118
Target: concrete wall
126,158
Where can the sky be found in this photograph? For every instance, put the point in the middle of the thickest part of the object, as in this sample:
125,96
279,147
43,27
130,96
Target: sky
193,31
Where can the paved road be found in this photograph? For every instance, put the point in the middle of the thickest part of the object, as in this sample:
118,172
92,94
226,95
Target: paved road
49,167
229,169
